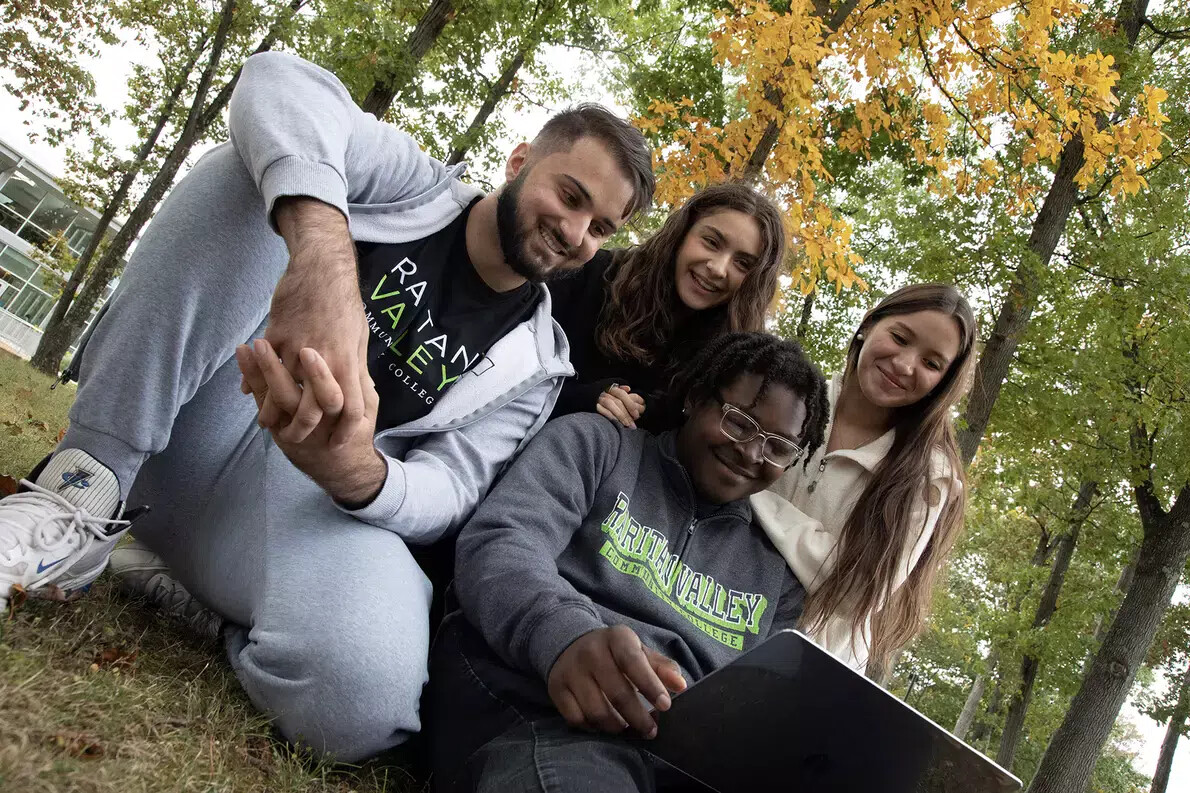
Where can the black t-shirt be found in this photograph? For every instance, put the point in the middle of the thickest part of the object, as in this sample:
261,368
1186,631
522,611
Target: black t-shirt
578,301
432,318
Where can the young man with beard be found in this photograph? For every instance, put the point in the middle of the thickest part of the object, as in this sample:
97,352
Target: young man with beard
389,417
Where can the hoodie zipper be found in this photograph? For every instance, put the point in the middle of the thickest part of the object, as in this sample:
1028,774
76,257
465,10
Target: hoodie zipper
689,536
817,476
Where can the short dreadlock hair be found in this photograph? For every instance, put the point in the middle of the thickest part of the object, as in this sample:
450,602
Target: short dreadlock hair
725,358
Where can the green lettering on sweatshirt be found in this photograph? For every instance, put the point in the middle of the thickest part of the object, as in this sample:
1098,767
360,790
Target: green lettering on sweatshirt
642,552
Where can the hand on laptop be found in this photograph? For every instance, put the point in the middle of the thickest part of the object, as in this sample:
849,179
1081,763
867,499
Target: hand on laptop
596,680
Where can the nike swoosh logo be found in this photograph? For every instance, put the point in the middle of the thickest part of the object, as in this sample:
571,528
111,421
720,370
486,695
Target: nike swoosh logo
41,568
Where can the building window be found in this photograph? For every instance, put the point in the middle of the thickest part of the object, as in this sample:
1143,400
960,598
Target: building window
7,166
53,214
80,233
9,218
33,208
21,194
8,293
26,287
19,266
31,305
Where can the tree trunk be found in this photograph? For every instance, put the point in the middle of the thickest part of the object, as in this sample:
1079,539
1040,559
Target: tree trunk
57,337
982,729
1013,318
1069,761
1177,721
496,94
105,269
1102,621
215,109
803,324
970,706
981,733
66,332
1018,707
424,34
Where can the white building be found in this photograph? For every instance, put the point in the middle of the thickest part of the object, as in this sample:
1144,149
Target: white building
32,211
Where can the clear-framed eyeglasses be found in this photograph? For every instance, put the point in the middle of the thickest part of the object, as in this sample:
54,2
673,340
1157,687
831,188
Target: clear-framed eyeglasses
742,428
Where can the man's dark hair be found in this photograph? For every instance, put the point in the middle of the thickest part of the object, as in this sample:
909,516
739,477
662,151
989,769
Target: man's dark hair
725,358
625,143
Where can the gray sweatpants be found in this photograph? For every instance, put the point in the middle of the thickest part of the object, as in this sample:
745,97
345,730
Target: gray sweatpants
330,614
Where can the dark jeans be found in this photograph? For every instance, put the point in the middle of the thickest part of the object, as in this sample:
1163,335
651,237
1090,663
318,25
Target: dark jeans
505,743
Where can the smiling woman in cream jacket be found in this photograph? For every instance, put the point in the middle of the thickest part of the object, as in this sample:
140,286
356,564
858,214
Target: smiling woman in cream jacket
868,520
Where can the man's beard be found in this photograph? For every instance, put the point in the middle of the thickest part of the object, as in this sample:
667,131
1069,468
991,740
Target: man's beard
511,230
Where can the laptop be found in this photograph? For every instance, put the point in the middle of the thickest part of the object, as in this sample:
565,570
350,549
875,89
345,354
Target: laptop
789,716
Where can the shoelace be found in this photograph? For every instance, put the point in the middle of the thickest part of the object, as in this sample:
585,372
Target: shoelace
175,601
55,530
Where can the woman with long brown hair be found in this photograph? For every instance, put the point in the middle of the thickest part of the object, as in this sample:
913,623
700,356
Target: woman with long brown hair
633,316
866,522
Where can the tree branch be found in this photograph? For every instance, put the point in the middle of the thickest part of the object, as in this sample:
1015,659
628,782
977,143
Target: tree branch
1180,511
921,47
215,108
1181,33
1110,176
1140,442
1116,280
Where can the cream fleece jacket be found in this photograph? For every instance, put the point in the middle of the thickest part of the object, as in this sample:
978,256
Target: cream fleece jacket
805,510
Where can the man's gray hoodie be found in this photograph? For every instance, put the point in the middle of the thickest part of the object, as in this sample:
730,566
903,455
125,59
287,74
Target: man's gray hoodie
295,131
596,525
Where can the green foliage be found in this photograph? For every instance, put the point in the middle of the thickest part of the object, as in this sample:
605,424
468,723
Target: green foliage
180,35
1105,354
360,40
55,254
667,56
1170,655
43,48
1107,350
461,70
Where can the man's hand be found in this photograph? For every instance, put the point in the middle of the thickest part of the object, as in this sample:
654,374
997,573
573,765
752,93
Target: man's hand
317,304
594,682
619,404
306,417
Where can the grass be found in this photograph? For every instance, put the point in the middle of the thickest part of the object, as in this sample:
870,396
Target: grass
103,695
31,415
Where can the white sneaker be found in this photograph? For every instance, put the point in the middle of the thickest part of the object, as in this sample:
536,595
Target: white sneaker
61,528
143,574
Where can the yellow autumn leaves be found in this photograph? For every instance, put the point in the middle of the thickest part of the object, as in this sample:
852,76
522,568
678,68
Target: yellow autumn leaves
984,73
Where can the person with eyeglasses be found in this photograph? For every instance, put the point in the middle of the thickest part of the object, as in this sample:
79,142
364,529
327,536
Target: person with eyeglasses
867,520
611,566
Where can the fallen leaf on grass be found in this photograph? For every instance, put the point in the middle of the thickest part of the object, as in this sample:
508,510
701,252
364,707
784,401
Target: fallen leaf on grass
258,751
58,595
8,486
114,657
61,434
76,745
38,423
13,427
16,599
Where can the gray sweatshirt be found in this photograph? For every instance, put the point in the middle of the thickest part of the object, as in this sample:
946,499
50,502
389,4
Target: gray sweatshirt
596,525
296,132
